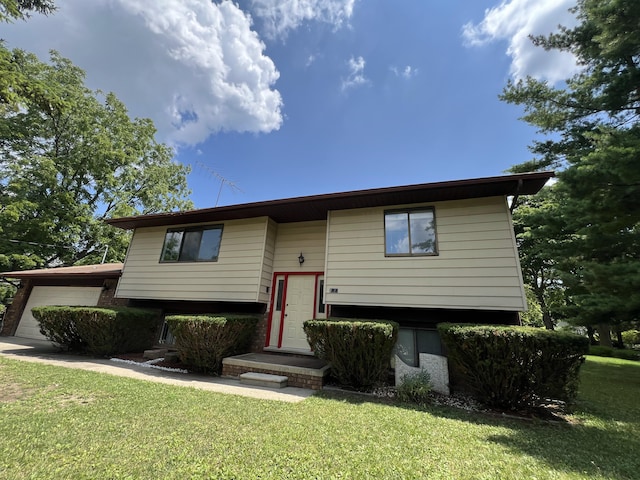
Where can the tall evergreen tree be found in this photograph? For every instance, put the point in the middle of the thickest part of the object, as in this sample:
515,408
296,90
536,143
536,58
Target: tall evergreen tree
592,135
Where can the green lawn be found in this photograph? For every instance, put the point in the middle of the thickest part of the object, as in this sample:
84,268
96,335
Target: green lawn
65,423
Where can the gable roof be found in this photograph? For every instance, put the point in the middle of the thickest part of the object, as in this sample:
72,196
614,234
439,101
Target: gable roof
315,207
105,270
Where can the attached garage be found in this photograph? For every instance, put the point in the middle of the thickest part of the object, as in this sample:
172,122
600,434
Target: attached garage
89,285
41,295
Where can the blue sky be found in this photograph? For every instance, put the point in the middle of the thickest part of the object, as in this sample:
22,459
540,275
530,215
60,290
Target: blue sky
287,98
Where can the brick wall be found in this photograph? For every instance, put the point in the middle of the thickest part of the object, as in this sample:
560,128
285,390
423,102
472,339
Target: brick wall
295,379
260,336
14,312
107,297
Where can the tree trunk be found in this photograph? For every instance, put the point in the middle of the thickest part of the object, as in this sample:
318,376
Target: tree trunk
619,337
604,332
546,316
590,332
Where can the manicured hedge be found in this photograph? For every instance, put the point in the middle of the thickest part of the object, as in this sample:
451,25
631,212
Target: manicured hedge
514,367
204,340
98,330
626,354
359,350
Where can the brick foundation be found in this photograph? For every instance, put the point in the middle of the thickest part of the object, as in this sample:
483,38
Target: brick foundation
107,297
260,336
295,379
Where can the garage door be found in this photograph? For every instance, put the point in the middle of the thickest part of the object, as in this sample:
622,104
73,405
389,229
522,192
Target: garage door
28,326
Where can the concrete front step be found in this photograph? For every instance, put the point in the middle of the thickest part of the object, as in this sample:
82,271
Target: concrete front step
264,380
154,353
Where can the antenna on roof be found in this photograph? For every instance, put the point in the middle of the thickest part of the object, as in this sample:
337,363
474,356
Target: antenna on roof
222,179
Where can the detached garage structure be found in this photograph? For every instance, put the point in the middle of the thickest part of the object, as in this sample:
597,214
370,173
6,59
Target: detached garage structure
89,285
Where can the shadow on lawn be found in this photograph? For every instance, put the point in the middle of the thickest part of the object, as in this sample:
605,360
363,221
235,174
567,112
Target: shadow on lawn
609,450
587,450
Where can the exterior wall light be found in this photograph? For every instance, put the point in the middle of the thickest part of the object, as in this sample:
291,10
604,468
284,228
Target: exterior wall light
301,259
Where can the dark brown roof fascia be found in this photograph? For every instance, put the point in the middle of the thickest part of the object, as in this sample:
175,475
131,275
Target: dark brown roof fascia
53,273
315,207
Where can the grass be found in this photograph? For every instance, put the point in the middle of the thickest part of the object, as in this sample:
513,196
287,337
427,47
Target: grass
64,423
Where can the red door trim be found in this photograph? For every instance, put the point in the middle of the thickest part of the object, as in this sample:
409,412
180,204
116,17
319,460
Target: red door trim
274,287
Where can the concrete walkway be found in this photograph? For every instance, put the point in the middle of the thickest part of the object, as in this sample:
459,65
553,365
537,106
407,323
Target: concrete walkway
38,351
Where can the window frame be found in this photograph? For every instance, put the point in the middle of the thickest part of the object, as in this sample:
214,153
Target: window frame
184,230
409,211
415,350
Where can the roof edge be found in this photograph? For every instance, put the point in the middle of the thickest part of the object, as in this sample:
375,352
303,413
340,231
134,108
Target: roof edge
525,184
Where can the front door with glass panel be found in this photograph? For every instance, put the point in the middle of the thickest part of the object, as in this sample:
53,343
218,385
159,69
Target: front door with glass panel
297,297
298,307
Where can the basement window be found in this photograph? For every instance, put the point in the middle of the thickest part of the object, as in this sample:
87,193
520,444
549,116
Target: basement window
414,341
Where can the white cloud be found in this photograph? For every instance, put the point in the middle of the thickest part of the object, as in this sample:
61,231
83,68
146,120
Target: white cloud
281,16
195,67
406,72
311,60
356,76
514,21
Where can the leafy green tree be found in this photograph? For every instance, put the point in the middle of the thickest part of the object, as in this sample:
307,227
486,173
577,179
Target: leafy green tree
592,135
533,316
67,166
538,226
21,9
15,86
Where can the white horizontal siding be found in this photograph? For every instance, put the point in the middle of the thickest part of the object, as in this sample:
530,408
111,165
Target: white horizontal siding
308,238
267,267
236,276
476,265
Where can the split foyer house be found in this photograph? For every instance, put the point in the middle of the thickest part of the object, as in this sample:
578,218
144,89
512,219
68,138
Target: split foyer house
417,254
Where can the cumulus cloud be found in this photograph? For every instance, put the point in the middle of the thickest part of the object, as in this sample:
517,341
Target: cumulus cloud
195,67
514,21
406,72
356,76
279,17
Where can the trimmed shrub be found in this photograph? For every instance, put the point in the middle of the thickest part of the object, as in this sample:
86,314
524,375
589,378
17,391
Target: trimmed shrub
98,330
204,340
359,350
415,388
57,324
629,337
514,367
602,351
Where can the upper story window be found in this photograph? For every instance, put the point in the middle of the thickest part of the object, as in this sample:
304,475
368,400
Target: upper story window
192,244
410,232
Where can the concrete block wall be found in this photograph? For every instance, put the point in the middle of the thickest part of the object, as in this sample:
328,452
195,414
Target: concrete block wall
436,366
